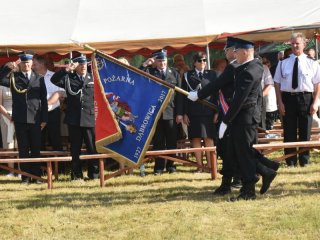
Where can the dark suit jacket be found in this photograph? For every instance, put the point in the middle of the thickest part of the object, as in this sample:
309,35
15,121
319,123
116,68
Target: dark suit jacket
225,83
29,107
80,107
190,82
172,77
245,106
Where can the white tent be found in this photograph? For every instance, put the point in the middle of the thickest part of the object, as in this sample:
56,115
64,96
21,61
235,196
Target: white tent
109,25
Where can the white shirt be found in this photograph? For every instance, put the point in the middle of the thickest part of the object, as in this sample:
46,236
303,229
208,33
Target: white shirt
197,71
270,99
308,74
51,89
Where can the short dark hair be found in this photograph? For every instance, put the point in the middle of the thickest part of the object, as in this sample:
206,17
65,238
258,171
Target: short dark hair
39,58
199,55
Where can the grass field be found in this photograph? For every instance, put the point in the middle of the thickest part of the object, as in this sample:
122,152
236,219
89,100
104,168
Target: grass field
175,206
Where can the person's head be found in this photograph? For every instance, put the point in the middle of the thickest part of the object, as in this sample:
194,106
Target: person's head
280,55
229,47
200,61
219,65
26,62
311,53
178,61
244,50
160,59
124,60
39,64
82,61
298,43
287,53
266,61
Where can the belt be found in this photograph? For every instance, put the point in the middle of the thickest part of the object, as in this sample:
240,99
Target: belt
296,93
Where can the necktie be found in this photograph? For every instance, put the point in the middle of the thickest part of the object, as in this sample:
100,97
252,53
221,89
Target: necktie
27,76
163,76
200,75
295,74
81,78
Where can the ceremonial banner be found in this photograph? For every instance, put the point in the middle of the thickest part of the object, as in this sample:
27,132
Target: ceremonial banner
107,128
136,102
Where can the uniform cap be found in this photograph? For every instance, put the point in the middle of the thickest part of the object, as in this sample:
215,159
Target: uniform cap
231,41
244,44
25,57
161,54
80,59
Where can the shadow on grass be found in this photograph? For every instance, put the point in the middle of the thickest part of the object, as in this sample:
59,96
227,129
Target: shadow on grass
109,197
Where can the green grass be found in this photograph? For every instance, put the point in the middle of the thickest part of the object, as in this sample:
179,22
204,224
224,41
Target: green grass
175,206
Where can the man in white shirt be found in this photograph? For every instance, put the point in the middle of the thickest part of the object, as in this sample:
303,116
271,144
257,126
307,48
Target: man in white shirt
52,129
297,84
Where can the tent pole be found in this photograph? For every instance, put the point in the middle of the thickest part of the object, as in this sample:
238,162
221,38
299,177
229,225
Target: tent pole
317,48
208,56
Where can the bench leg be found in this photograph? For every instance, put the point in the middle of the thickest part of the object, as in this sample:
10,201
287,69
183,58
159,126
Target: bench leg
49,173
213,158
56,170
101,172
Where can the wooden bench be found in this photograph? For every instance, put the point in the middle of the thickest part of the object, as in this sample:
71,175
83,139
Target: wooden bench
272,147
15,154
276,135
166,155
264,148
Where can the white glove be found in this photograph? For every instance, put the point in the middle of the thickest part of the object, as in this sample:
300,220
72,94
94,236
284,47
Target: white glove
222,129
193,96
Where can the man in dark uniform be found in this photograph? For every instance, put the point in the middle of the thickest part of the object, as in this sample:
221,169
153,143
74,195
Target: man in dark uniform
226,86
29,110
78,84
243,116
227,81
165,136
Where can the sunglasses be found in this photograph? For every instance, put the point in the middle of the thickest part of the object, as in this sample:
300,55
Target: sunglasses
202,60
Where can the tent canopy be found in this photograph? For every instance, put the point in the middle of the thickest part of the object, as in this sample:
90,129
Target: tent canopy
110,25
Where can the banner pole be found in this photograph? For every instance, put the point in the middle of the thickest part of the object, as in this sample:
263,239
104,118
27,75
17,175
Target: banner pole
180,90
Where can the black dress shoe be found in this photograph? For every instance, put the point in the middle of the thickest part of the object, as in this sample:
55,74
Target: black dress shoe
222,190
247,192
266,181
244,196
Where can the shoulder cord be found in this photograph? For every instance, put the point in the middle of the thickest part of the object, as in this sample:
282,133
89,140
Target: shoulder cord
186,78
13,84
68,87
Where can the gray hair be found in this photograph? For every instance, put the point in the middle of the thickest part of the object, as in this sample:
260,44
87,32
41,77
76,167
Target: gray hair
298,35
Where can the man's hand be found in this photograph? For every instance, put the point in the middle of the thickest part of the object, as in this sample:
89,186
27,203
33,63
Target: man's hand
179,119
72,66
13,65
193,96
222,129
148,62
42,125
